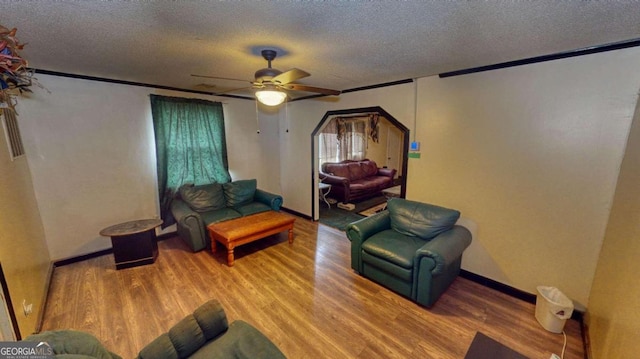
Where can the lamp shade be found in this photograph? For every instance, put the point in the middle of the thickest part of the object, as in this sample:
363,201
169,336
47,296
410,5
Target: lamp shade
271,97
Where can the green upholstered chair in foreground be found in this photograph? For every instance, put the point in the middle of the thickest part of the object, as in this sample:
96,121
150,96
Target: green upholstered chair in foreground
412,248
203,334
72,344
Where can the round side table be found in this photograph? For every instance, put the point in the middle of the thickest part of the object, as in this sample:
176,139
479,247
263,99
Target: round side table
134,243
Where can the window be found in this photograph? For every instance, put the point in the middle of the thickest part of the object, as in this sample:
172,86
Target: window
328,143
190,146
12,132
355,145
343,139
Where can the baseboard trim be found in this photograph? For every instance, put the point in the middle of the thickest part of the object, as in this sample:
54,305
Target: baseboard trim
165,236
43,303
511,291
500,287
84,257
295,213
586,344
80,258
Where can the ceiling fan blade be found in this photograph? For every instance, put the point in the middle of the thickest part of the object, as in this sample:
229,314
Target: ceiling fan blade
232,90
298,87
290,76
219,78
206,86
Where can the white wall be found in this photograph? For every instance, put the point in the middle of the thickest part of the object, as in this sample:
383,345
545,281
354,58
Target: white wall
252,154
91,153
613,316
23,251
530,156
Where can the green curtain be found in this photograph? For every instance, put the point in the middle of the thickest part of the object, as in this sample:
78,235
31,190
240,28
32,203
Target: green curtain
190,146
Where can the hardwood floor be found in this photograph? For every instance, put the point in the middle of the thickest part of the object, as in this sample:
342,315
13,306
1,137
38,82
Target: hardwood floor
303,296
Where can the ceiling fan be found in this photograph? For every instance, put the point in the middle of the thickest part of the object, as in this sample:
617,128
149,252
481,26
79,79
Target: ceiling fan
272,83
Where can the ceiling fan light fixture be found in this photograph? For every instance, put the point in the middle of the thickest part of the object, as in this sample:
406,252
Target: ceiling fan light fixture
271,84
271,97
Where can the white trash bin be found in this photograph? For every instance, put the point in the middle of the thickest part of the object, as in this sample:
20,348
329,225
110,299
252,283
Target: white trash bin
553,308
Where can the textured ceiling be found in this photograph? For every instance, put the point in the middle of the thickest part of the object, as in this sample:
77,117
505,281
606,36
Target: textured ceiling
343,44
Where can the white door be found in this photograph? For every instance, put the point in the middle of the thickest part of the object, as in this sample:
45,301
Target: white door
394,148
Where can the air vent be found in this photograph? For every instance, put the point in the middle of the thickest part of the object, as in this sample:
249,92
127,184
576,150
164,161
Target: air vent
12,132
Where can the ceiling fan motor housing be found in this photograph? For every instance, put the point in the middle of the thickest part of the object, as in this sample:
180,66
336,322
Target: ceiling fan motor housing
266,74
273,80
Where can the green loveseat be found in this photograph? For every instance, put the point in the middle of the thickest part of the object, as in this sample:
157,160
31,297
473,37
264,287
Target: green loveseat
195,207
412,248
203,334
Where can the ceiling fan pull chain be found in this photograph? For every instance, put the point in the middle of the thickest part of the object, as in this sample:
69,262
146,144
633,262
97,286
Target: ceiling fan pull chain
286,116
272,84
257,118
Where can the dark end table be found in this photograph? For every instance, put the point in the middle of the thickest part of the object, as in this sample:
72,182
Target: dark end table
134,243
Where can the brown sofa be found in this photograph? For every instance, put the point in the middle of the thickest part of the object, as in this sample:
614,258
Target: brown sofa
355,180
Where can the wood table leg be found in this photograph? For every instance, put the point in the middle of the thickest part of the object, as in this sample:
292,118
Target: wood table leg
230,258
214,245
291,234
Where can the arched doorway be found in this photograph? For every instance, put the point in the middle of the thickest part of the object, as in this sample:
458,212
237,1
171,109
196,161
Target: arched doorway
396,135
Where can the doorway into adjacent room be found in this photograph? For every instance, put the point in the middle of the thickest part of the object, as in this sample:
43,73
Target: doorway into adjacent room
360,134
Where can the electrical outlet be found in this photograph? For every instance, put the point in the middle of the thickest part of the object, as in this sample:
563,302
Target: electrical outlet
555,356
27,308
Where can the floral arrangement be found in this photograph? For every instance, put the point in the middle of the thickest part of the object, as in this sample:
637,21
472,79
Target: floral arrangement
15,76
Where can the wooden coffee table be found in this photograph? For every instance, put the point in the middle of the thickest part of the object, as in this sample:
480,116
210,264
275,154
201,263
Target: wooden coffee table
247,229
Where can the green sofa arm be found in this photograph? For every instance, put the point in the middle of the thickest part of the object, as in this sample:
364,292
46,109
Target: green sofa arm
207,334
437,264
445,248
190,225
272,200
73,344
359,231
190,334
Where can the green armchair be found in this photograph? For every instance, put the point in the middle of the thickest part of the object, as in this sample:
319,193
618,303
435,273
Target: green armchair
412,248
